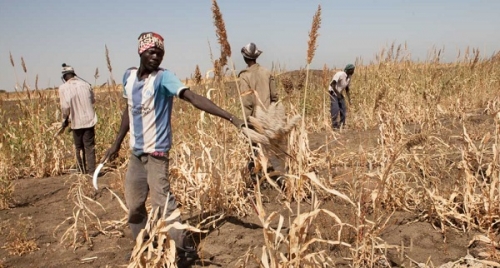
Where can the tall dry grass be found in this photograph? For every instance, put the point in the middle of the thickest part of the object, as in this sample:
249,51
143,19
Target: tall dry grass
30,118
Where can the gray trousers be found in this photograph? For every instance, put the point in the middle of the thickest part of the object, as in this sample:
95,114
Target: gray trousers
337,107
149,174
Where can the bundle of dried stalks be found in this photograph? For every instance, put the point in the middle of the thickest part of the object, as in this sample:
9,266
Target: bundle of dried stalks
270,126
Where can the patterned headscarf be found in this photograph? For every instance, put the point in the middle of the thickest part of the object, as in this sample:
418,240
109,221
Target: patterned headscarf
148,40
251,51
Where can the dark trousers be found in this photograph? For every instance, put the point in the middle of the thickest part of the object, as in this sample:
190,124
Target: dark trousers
84,140
337,107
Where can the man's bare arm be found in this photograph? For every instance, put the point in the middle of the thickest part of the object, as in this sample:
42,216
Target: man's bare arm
208,106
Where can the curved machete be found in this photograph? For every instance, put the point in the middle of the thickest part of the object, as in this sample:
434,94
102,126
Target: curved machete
96,173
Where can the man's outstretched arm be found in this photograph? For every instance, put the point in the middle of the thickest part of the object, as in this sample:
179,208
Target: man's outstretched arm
208,106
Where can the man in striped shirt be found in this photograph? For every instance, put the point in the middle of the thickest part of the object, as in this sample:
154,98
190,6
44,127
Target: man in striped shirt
77,104
149,92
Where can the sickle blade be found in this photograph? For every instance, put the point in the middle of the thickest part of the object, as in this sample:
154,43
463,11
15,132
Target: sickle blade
96,175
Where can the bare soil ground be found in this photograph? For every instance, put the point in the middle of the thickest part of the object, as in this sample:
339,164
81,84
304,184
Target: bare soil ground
44,203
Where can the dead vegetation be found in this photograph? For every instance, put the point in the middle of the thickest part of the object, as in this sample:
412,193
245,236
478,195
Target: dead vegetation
84,223
20,237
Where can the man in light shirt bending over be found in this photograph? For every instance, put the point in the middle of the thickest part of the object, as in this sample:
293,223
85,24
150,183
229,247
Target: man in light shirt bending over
338,85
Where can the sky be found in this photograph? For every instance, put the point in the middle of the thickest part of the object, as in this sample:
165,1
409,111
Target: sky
51,32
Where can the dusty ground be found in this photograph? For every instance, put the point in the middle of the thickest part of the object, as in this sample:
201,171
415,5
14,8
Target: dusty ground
44,203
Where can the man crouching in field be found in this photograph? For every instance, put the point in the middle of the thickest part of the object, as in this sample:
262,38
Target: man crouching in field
149,92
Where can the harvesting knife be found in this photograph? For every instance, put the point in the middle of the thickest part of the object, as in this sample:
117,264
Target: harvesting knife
96,173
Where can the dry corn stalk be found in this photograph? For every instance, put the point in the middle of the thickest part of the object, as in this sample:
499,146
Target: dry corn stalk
202,184
293,248
85,222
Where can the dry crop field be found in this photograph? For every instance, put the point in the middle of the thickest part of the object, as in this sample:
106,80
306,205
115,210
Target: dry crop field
413,180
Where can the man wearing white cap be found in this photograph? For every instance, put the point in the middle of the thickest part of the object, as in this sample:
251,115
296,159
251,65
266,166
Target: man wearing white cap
77,104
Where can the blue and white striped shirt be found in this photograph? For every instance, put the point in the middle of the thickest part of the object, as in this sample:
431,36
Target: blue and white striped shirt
150,104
